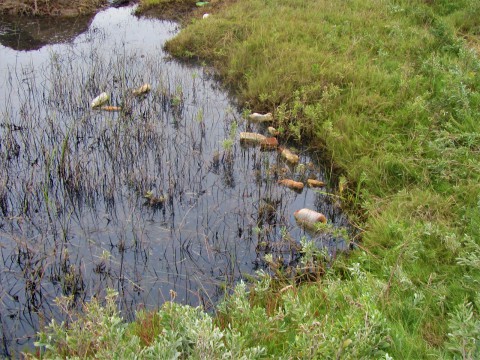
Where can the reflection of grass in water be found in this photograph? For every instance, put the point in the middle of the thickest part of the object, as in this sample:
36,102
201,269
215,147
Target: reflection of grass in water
80,178
70,159
66,160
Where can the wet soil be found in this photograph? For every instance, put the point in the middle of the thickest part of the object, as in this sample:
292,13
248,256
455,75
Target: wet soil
32,33
29,25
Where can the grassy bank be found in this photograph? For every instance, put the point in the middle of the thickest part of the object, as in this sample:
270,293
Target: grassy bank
390,90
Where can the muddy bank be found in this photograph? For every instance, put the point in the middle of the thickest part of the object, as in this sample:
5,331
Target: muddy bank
178,10
29,25
167,11
51,7
32,33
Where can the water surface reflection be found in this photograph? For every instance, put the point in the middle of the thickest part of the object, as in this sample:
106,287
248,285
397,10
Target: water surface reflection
156,197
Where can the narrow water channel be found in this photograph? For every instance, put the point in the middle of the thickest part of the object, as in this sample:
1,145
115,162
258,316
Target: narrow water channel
155,197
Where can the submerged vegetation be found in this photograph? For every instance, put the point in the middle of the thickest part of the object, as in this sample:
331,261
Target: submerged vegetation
121,169
390,91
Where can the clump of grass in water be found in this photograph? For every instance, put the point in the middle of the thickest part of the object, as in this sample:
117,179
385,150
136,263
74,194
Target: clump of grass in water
227,144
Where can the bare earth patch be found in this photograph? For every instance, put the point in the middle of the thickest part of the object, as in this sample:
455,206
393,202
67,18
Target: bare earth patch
473,42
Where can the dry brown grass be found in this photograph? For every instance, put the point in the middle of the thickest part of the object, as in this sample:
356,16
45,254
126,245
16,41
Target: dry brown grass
473,42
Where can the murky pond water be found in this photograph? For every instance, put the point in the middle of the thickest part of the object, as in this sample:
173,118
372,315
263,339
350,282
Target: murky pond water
156,197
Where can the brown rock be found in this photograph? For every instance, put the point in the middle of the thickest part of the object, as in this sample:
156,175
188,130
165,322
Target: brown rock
270,143
292,184
315,183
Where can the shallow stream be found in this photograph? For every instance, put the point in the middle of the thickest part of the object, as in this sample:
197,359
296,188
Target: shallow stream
156,197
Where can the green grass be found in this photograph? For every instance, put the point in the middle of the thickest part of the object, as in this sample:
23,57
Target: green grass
391,91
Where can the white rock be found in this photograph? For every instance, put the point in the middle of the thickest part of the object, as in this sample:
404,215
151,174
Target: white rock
261,117
100,100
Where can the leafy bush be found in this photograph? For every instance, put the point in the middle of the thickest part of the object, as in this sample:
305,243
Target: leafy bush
100,332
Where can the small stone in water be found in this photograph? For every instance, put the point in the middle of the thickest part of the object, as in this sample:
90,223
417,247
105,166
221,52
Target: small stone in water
309,217
261,117
270,143
289,156
100,100
273,131
111,108
292,184
315,183
251,137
